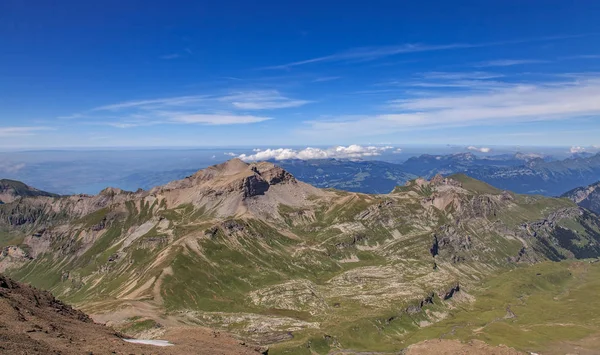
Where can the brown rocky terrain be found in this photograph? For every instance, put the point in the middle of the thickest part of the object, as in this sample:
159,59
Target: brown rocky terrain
34,322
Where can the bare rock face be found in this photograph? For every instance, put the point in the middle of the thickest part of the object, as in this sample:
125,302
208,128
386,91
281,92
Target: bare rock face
450,244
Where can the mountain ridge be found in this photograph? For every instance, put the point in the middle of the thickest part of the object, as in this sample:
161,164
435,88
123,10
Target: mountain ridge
586,196
13,189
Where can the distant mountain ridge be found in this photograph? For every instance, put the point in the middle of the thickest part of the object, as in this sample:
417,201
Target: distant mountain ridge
534,175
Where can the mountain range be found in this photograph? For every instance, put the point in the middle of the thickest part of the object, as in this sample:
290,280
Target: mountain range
521,173
252,250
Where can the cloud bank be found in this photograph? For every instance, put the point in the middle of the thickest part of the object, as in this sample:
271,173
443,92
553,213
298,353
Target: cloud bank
353,151
479,149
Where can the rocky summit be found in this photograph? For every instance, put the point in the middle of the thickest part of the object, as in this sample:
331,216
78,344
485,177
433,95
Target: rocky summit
250,250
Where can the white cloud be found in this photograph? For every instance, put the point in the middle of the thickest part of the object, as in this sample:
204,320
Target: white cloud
397,151
231,154
577,149
21,131
479,149
339,152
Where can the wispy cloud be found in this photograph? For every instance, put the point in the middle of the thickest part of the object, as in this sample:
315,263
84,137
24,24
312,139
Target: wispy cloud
217,119
373,53
326,78
474,75
262,100
11,167
476,80
154,103
509,62
22,131
227,109
506,103
583,56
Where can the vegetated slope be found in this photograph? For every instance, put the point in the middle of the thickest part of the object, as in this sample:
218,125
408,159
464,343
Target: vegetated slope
34,322
249,249
11,190
587,197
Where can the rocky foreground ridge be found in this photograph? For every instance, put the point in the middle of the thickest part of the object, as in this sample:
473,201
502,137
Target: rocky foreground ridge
34,322
249,249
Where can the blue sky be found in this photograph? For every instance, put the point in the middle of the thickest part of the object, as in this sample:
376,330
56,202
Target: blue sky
273,73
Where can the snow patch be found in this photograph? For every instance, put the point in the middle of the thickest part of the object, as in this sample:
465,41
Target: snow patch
149,342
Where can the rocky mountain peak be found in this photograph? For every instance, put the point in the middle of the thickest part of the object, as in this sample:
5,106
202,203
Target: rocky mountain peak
113,191
235,175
